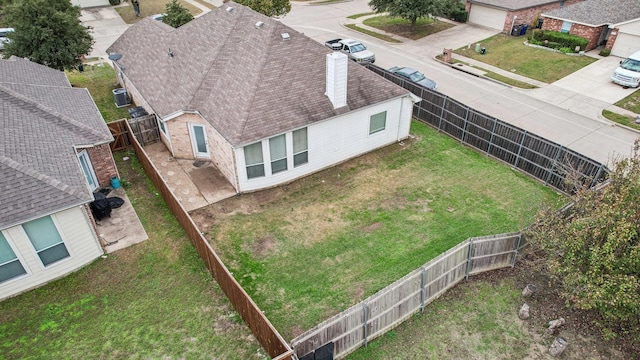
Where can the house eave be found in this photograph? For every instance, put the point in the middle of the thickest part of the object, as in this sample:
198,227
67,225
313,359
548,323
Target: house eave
48,213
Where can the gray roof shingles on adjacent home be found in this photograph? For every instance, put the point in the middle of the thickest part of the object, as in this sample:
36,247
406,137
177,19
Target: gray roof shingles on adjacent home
244,79
42,118
598,12
513,5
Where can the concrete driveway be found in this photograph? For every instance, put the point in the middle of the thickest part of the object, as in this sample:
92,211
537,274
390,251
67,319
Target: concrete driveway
107,26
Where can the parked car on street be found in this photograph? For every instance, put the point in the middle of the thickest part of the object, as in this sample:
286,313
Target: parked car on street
3,36
353,48
414,76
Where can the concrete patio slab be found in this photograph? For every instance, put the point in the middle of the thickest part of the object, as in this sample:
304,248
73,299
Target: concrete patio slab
195,183
123,228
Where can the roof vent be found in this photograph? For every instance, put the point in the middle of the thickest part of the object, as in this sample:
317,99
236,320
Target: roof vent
285,36
259,24
229,9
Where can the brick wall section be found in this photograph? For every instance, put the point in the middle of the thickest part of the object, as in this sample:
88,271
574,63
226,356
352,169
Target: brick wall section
612,38
590,33
526,16
103,163
222,155
180,137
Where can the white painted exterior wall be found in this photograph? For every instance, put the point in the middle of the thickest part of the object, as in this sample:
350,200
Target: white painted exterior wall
81,241
333,141
628,40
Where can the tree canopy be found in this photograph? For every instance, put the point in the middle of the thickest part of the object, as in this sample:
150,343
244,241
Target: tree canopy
410,10
47,32
271,8
593,247
176,14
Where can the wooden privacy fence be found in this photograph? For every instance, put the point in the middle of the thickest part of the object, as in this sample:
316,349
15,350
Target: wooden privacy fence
386,309
120,139
145,129
543,159
267,335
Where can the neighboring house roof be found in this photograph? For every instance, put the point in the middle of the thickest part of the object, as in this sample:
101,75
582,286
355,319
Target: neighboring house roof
42,118
598,12
245,80
513,5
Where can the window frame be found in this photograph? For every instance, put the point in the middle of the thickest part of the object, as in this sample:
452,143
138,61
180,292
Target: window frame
16,258
50,246
376,130
296,154
253,165
282,159
564,29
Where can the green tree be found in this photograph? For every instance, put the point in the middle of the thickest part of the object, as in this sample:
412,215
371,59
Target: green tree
47,32
593,247
271,8
410,10
177,15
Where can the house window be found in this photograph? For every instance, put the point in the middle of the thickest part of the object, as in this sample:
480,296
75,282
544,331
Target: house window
162,127
46,239
300,150
10,265
566,27
278,152
253,160
377,122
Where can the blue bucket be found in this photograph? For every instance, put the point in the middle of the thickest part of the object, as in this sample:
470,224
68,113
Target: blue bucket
115,182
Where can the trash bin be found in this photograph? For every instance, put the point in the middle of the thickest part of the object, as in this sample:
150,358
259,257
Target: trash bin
539,24
115,182
483,50
478,47
523,31
516,30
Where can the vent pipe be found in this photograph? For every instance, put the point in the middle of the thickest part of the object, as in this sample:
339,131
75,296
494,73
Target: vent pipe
336,78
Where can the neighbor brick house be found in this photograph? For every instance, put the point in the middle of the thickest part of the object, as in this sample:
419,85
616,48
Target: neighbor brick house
612,23
503,14
263,102
54,152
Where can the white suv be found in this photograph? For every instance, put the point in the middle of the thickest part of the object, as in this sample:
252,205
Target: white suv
3,36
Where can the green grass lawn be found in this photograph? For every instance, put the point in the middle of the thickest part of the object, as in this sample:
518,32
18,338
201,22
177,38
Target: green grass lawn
100,81
154,300
151,7
508,53
631,103
313,248
399,26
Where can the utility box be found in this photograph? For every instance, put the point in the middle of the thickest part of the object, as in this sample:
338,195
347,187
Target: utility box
120,98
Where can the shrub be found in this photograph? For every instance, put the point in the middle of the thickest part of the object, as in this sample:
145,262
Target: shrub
565,50
605,52
114,2
558,40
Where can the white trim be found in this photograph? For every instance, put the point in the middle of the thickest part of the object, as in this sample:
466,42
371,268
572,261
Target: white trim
194,144
92,172
18,256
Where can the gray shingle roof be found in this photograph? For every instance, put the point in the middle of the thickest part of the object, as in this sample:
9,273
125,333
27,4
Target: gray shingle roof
246,81
598,12
512,5
42,118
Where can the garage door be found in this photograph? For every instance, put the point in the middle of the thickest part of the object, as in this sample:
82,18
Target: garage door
486,16
625,45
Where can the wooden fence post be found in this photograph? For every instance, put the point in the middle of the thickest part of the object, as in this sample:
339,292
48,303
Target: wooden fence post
466,277
364,316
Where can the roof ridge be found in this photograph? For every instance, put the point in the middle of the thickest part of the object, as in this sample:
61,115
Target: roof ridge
261,72
49,180
53,112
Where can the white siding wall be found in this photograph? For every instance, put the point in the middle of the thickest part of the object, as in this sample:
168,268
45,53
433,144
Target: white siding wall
81,242
333,141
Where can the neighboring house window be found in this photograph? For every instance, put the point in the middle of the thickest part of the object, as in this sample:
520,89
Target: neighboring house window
10,265
300,150
253,159
377,122
162,127
46,239
278,152
566,27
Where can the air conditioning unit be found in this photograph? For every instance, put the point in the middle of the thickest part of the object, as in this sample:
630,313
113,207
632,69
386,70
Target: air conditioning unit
120,97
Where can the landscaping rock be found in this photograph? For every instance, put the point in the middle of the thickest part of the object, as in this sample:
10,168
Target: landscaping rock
558,346
524,312
528,290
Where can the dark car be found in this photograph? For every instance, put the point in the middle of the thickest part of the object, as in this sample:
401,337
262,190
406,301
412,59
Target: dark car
415,76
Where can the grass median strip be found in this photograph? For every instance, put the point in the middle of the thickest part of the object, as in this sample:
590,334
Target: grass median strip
372,33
